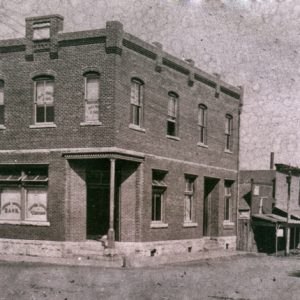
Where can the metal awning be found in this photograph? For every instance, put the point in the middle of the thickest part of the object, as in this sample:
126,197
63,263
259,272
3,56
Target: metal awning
159,183
115,153
10,178
35,178
273,220
283,213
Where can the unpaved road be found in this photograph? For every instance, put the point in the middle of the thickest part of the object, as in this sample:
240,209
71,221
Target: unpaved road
232,278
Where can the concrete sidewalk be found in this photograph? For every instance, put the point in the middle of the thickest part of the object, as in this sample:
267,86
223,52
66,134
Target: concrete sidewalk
129,261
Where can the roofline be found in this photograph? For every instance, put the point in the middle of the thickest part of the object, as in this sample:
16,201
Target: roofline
168,60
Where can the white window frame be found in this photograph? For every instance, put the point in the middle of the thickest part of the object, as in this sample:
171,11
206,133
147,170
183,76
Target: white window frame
228,132
136,103
41,31
22,185
228,185
159,188
160,193
202,124
36,105
172,116
189,195
96,101
2,103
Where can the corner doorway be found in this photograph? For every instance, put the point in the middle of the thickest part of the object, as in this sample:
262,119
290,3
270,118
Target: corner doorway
97,195
97,211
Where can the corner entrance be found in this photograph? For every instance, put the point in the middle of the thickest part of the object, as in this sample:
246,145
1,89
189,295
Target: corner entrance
97,209
211,204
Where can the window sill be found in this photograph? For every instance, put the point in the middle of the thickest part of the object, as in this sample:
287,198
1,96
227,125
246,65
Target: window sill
158,225
2,127
137,128
46,125
228,223
32,223
202,145
176,138
90,123
228,151
190,224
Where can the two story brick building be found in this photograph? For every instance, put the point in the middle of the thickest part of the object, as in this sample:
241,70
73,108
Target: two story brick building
103,134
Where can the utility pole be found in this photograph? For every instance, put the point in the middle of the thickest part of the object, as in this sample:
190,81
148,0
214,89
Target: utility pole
288,232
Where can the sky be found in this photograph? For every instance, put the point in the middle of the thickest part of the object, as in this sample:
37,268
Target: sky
253,43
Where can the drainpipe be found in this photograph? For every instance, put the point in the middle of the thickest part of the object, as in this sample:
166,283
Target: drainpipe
288,231
272,161
238,158
111,231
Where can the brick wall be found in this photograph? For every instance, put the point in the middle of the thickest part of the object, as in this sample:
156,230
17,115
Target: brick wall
128,199
76,202
282,189
156,88
55,204
173,200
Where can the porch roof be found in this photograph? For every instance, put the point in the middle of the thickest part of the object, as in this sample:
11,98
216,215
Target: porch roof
101,153
273,219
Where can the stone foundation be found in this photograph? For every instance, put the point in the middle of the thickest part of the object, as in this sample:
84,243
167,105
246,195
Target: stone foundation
174,247
130,251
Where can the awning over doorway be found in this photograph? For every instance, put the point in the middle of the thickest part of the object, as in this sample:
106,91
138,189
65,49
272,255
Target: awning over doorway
102,153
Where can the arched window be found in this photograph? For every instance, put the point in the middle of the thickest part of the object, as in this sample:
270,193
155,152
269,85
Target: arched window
44,99
172,121
91,97
202,123
1,102
136,102
228,132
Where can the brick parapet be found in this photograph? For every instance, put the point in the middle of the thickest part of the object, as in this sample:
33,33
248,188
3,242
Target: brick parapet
115,38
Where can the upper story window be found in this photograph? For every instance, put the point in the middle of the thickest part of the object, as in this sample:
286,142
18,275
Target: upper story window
1,102
202,123
41,31
136,102
44,100
91,97
228,132
172,122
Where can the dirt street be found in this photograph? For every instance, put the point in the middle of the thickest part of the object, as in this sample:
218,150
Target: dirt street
231,278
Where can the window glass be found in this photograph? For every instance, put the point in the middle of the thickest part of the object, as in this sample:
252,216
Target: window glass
36,204
10,204
1,102
172,115
187,208
158,190
1,92
228,200
157,205
172,107
136,99
44,101
23,188
92,98
228,132
189,198
41,31
92,89
135,93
